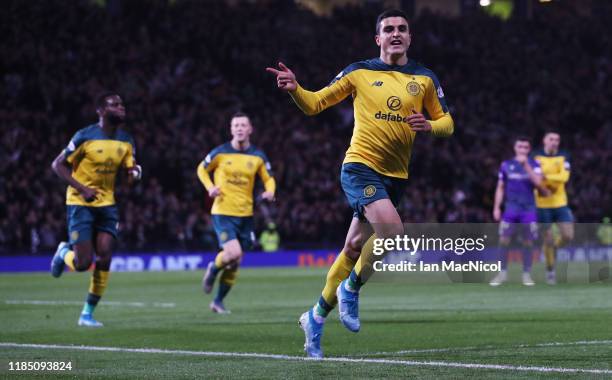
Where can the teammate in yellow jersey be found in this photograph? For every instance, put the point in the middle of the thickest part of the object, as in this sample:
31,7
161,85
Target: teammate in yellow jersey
235,165
89,165
553,208
389,95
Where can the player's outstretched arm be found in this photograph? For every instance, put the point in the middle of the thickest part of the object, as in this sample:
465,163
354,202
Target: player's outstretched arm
61,167
311,103
285,78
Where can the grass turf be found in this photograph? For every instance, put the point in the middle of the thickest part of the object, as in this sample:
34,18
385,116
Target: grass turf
471,323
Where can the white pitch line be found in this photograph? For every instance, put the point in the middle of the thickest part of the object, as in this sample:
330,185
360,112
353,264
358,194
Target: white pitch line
109,303
473,348
301,358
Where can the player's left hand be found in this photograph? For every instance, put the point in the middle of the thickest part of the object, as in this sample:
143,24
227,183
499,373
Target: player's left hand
418,123
135,172
268,196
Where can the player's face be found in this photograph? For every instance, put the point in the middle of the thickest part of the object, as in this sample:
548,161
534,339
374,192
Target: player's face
114,111
393,36
522,148
241,128
551,142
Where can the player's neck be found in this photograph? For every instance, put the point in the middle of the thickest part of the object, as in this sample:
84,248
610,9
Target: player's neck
240,145
394,60
108,127
550,151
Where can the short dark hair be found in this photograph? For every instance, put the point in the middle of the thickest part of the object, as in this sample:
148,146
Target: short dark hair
522,138
549,131
240,114
387,14
101,98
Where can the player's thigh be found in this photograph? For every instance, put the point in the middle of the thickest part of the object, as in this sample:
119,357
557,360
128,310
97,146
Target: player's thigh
505,232
384,218
567,230
232,251
225,228
356,236
526,226
107,229
246,232
565,220
361,186
105,243
80,221
545,222
84,253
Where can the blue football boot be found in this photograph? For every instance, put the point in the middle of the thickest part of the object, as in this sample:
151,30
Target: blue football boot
348,307
313,332
57,263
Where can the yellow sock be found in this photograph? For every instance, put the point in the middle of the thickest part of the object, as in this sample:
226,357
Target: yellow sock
549,254
226,282
340,269
98,282
229,276
219,260
69,259
363,267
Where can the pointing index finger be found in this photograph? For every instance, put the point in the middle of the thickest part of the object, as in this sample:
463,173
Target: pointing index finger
272,70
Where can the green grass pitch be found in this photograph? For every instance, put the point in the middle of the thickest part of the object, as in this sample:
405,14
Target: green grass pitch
412,329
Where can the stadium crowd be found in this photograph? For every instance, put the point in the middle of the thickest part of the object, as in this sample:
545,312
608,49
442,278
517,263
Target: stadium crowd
185,67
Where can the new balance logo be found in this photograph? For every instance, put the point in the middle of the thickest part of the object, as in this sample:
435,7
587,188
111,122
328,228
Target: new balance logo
377,83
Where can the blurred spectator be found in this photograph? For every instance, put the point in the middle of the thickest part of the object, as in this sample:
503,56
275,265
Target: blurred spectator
269,240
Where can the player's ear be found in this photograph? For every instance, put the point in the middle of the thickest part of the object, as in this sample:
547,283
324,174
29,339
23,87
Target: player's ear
377,39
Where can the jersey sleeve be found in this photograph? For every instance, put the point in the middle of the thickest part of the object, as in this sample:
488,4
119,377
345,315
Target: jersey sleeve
442,123
129,160
210,162
74,149
502,175
564,175
204,176
265,173
535,165
207,166
311,103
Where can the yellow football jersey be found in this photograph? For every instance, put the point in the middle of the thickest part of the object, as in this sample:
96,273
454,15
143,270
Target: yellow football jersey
556,172
96,158
383,97
234,173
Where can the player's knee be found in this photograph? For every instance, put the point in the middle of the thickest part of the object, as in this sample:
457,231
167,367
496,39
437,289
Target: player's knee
390,231
233,255
567,236
82,264
103,263
352,249
548,238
